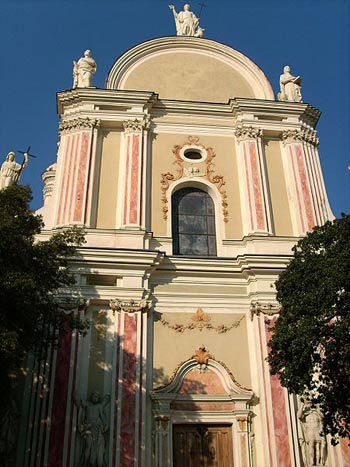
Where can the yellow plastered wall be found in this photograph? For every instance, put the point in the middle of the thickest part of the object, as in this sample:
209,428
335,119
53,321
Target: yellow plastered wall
278,189
172,348
188,76
108,183
224,163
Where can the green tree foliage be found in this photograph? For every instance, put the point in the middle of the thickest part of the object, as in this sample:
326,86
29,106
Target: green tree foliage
310,347
30,274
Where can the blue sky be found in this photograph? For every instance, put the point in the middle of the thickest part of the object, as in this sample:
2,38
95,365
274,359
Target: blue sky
40,39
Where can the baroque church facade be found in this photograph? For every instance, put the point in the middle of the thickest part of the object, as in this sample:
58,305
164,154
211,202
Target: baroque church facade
193,183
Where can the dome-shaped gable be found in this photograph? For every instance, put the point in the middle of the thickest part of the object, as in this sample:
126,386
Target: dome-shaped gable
189,68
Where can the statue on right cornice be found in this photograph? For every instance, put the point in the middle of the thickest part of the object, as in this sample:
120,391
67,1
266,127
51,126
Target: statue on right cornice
186,22
290,86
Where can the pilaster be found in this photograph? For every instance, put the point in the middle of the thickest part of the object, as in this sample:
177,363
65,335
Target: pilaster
128,421
307,198
132,199
255,203
75,170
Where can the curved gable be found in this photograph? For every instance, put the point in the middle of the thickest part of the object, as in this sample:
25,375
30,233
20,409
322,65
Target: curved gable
189,68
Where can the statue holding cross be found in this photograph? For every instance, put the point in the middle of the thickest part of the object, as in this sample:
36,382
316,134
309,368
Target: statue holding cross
11,170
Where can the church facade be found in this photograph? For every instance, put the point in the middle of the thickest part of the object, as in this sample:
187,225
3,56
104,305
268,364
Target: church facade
193,183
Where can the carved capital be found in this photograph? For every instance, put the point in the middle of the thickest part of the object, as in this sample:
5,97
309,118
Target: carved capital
130,306
136,125
66,126
268,309
307,135
72,303
243,132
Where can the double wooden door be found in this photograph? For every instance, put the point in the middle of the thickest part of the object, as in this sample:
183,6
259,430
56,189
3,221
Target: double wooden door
202,445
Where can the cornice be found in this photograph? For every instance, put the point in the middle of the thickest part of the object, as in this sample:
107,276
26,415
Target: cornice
104,97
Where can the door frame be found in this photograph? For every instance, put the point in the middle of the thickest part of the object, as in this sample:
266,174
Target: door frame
231,407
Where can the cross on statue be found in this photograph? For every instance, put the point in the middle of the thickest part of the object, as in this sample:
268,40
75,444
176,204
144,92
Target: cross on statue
202,5
27,152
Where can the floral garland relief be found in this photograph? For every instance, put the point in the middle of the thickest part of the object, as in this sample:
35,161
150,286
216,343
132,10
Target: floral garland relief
182,171
201,321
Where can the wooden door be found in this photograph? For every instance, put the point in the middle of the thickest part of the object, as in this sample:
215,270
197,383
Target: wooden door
202,446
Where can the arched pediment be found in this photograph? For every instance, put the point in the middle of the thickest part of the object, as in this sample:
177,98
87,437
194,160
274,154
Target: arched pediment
189,68
202,376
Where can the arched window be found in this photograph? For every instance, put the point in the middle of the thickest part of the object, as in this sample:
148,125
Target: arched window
193,223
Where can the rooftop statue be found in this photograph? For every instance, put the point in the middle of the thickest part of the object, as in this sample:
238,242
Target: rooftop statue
83,71
186,22
290,86
11,171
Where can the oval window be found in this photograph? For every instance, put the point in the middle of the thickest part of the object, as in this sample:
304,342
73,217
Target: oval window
193,155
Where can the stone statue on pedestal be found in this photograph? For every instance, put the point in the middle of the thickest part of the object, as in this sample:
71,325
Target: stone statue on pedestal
290,86
92,426
186,22
313,443
83,71
11,171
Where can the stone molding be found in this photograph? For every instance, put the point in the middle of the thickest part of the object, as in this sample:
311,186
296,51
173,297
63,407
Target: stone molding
136,125
307,135
268,309
217,180
204,358
244,132
66,126
130,306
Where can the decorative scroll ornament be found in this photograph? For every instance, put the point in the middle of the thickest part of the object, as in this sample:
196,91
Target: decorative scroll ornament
182,171
268,309
136,125
243,132
75,124
72,303
308,135
201,321
130,306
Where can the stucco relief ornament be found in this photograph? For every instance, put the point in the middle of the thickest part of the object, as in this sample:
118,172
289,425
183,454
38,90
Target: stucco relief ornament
269,309
200,321
290,86
131,306
308,135
77,124
243,132
202,357
83,71
136,125
191,171
186,22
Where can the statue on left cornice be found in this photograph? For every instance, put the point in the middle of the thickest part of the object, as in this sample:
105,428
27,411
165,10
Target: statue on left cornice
11,171
83,71
186,22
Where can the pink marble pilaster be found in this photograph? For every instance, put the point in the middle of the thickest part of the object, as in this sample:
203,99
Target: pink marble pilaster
280,421
60,395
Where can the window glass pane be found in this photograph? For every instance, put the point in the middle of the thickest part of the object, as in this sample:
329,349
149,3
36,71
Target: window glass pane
193,245
193,223
192,204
